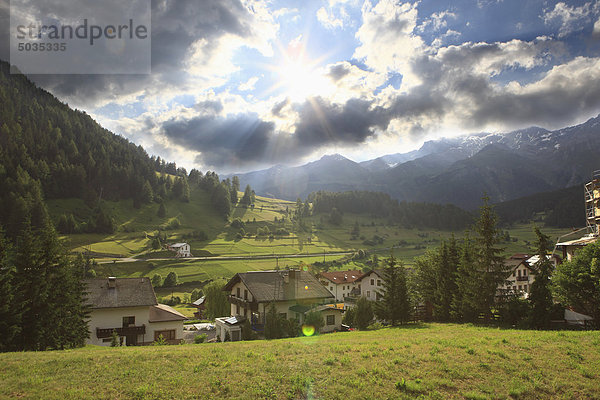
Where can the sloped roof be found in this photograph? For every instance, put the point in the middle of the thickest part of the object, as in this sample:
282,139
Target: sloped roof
164,313
377,271
200,301
349,276
128,292
584,241
266,286
175,245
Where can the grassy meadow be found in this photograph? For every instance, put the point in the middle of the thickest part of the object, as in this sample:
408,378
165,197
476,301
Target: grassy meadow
316,237
433,361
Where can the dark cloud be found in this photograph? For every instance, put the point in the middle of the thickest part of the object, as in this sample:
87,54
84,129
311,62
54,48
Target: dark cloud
338,71
176,26
244,140
277,107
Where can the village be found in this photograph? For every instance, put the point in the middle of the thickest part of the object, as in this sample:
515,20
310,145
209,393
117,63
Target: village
128,307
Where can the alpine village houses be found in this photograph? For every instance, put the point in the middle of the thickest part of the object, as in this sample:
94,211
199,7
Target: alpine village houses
293,292
128,306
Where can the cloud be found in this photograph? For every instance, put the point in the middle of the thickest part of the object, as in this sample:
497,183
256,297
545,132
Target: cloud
570,18
192,48
596,31
248,85
328,20
387,38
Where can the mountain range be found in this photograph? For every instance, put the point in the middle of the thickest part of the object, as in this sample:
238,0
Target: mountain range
458,170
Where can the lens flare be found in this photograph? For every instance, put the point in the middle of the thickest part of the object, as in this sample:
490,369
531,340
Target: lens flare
308,330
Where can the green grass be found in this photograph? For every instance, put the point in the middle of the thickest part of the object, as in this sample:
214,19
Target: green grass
428,361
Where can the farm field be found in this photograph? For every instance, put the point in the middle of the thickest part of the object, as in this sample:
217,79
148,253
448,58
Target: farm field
434,361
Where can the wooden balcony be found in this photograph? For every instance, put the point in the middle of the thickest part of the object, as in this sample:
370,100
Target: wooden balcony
251,305
522,279
102,333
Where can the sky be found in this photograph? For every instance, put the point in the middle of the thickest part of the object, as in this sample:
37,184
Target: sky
244,85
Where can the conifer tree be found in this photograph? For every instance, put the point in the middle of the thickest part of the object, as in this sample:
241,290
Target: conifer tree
467,299
363,313
445,279
9,316
540,297
394,306
489,260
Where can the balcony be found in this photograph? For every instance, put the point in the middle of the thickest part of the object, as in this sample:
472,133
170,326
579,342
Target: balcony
102,333
522,279
251,305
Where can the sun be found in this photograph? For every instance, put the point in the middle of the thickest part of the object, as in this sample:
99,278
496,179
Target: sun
299,77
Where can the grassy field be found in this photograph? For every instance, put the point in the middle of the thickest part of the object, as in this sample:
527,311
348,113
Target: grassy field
420,361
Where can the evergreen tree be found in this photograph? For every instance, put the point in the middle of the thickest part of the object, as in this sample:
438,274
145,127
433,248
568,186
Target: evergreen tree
363,313
247,197
162,212
9,316
235,188
445,277
315,319
394,306
157,280
489,258
147,193
467,301
540,297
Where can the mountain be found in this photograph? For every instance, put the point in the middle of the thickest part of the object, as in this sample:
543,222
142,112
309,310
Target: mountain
452,170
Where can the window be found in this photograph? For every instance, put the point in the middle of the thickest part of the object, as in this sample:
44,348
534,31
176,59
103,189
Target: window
514,273
331,289
237,309
519,273
520,287
524,272
331,320
378,282
238,293
128,321
245,294
167,334
372,282
368,293
514,288
525,287
377,296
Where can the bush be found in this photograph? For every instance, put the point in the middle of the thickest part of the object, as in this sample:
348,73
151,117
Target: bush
375,326
200,338
315,319
160,341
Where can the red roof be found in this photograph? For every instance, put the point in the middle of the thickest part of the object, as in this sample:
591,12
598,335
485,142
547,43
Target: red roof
349,276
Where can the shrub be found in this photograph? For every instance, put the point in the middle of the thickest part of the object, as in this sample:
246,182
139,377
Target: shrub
200,338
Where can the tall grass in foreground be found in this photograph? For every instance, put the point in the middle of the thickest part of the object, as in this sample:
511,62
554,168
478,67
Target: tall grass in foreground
432,361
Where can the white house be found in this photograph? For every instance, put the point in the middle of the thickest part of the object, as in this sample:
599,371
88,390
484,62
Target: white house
181,250
293,293
342,284
128,306
371,284
522,273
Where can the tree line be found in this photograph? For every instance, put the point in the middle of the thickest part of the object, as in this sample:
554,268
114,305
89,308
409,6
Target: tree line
377,204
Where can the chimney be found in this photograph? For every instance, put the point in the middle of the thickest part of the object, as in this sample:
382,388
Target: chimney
112,282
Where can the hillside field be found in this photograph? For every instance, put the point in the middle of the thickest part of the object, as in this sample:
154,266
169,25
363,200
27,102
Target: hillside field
433,361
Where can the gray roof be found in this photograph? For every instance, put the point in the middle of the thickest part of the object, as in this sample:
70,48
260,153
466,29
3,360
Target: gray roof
128,292
164,313
266,286
200,301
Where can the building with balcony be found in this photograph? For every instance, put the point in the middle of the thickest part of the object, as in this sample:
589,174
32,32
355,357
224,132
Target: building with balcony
342,284
128,306
522,273
371,284
293,293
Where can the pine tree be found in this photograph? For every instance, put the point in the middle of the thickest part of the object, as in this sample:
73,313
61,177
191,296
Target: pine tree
363,313
445,276
9,316
489,259
162,212
466,303
540,297
247,197
394,306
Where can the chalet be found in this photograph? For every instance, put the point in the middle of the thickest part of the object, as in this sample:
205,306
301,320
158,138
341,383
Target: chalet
522,273
129,307
371,284
181,250
342,284
293,292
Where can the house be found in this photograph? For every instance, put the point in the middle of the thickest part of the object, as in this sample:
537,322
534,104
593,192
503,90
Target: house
129,307
342,284
522,273
200,306
569,248
371,284
181,250
229,327
293,293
